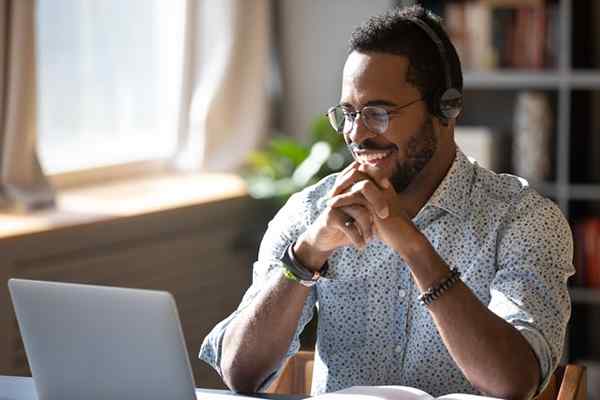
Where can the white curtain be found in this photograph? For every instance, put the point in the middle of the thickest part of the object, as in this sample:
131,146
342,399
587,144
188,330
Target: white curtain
225,87
22,182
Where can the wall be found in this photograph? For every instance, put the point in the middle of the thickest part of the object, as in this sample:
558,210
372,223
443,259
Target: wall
313,39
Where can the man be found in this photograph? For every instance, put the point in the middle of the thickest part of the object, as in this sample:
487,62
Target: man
437,273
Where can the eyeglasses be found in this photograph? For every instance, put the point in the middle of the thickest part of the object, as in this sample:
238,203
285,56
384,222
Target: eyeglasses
375,118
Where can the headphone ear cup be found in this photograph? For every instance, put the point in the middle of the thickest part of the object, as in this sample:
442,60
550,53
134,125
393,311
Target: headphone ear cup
450,103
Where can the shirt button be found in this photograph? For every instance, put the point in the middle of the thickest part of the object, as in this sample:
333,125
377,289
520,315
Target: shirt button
398,349
402,293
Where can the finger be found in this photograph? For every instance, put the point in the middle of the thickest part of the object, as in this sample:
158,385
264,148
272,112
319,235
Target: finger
352,177
350,167
364,193
352,231
356,223
375,198
346,172
362,218
343,176
347,180
350,198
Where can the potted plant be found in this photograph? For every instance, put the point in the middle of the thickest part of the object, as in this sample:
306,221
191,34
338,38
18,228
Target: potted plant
288,165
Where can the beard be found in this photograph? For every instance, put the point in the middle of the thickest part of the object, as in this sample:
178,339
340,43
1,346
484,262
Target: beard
421,148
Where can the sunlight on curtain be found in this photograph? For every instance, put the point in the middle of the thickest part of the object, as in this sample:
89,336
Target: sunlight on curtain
109,81
225,111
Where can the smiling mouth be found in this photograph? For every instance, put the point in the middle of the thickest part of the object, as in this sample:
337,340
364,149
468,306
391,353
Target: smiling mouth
372,157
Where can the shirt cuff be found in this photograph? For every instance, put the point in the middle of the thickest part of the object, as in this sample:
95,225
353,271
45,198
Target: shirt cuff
541,349
212,346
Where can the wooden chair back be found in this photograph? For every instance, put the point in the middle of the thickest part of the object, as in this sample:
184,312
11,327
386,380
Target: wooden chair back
296,376
567,383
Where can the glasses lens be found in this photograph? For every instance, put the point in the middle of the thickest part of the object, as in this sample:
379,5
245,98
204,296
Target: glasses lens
337,118
375,118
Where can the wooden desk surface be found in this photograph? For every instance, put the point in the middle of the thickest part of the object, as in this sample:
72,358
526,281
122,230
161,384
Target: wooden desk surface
22,388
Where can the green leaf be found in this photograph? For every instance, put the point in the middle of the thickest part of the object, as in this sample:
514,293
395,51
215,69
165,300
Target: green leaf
290,149
322,131
261,163
274,172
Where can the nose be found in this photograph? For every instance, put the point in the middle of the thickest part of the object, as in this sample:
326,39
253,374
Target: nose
359,132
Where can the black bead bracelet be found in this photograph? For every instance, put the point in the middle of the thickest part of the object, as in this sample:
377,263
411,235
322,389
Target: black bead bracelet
434,293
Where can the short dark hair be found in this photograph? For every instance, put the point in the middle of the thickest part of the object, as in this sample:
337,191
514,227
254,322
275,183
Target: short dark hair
394,32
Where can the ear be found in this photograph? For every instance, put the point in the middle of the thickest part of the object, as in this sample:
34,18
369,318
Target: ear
443,125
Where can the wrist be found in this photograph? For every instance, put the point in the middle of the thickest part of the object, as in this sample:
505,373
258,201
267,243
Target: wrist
426,265
413,245
309,256
294,270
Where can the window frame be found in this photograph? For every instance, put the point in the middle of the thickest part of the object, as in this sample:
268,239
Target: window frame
110,173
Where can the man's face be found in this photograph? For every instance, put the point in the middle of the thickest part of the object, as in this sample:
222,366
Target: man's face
410,141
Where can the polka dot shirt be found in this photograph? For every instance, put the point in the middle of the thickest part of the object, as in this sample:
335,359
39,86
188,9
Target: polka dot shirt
512,246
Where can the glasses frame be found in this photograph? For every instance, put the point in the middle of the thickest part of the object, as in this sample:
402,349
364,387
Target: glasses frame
355,115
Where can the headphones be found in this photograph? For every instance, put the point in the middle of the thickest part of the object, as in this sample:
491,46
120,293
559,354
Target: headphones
447,103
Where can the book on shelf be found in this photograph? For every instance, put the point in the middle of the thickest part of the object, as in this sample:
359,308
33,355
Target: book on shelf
586,238
393,393
492,34
532,129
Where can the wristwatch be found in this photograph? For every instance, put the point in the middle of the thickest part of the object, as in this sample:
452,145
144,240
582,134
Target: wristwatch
295,271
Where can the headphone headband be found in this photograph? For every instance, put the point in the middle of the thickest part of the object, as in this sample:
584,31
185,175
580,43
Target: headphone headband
450,101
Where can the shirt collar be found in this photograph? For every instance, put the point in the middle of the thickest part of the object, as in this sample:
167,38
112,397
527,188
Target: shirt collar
452,195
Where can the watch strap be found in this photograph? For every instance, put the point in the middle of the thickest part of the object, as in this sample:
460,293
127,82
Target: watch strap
297,269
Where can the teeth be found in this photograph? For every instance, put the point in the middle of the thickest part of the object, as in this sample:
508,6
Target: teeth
373,156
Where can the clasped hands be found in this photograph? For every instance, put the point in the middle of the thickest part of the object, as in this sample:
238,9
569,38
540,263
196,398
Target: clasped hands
361,206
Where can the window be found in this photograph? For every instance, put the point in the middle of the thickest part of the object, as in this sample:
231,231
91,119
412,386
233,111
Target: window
109,81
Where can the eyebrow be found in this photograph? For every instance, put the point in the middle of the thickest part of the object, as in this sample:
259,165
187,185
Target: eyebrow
384,103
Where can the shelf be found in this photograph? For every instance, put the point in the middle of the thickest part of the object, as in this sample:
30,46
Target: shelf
584,192
515,79
511,79
583,79
582,295
573,191
545,188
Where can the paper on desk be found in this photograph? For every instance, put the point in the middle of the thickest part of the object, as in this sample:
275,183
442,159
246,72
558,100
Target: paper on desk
393,393
203,395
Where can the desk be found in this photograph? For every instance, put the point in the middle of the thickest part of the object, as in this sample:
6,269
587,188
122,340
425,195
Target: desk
22,388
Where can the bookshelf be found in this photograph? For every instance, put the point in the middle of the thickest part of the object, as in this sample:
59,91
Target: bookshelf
580,295
572,84
563,79
516,80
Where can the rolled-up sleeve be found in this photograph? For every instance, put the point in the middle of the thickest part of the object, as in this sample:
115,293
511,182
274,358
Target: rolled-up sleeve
283,229
535,253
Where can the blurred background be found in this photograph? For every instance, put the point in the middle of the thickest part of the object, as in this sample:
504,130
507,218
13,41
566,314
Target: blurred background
147,143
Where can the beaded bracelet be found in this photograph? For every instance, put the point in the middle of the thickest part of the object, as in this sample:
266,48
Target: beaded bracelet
434,293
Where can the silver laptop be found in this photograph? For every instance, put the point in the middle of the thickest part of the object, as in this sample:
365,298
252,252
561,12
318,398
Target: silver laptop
96,342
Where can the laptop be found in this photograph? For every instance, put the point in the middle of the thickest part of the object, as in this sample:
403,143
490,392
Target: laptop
97,342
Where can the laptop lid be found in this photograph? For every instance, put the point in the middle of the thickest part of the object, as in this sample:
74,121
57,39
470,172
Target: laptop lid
97,342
